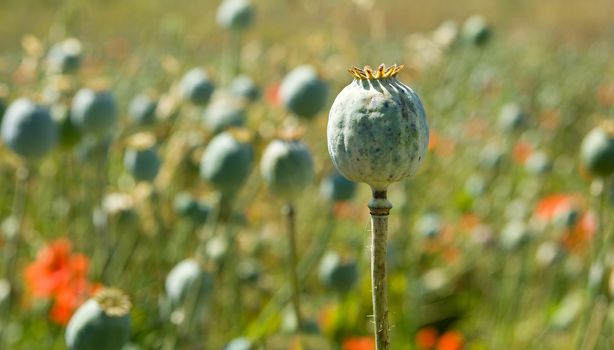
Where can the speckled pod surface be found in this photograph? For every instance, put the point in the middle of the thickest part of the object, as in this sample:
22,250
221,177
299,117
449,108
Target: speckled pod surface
226,163
196,87
302,92
287,168
597,150
100,324
377,130
94,112
28,129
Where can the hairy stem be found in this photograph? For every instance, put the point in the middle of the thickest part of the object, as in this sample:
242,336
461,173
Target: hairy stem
379,207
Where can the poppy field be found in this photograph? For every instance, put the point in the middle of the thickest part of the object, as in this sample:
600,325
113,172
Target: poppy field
306,175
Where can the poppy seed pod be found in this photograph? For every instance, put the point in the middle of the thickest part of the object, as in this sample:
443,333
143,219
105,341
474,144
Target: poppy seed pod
338,275
511,118
429,225
302,92
185,278
597,150
64,57
28,129
240,344
287,168
227,161
196,87
141,157
336,188
186,205
94,112
235,15
101,323
244,87
377,130
142,109
223,113
476,31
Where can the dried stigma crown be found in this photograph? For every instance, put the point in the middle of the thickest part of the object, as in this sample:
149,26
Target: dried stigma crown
113,302
381,73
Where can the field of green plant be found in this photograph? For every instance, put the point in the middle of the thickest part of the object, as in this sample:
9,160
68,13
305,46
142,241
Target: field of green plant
167,182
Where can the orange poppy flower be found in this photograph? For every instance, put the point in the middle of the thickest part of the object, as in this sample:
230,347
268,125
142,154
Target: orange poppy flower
359,343
549,206
61,276
426,338
522,151
271,95
450,340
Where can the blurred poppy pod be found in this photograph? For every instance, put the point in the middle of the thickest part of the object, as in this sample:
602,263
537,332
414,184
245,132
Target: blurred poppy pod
187,206
302,92
538,163
224,113
187,281
141,157
196,87
336,188
511,118
235,15
429,225
491,157
142,109
227,161
377,129
94,112
476,31
101,323
287,167
597,150
336,274
240,344
244,87
64,57
28,129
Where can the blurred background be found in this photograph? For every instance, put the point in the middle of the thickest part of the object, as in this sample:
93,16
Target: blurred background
140,153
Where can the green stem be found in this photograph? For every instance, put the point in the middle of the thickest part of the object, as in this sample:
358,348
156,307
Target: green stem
11,252
316,250
290,215
379,207
598,252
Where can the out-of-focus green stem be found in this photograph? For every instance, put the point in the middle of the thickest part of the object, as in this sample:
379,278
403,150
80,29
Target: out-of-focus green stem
290,216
